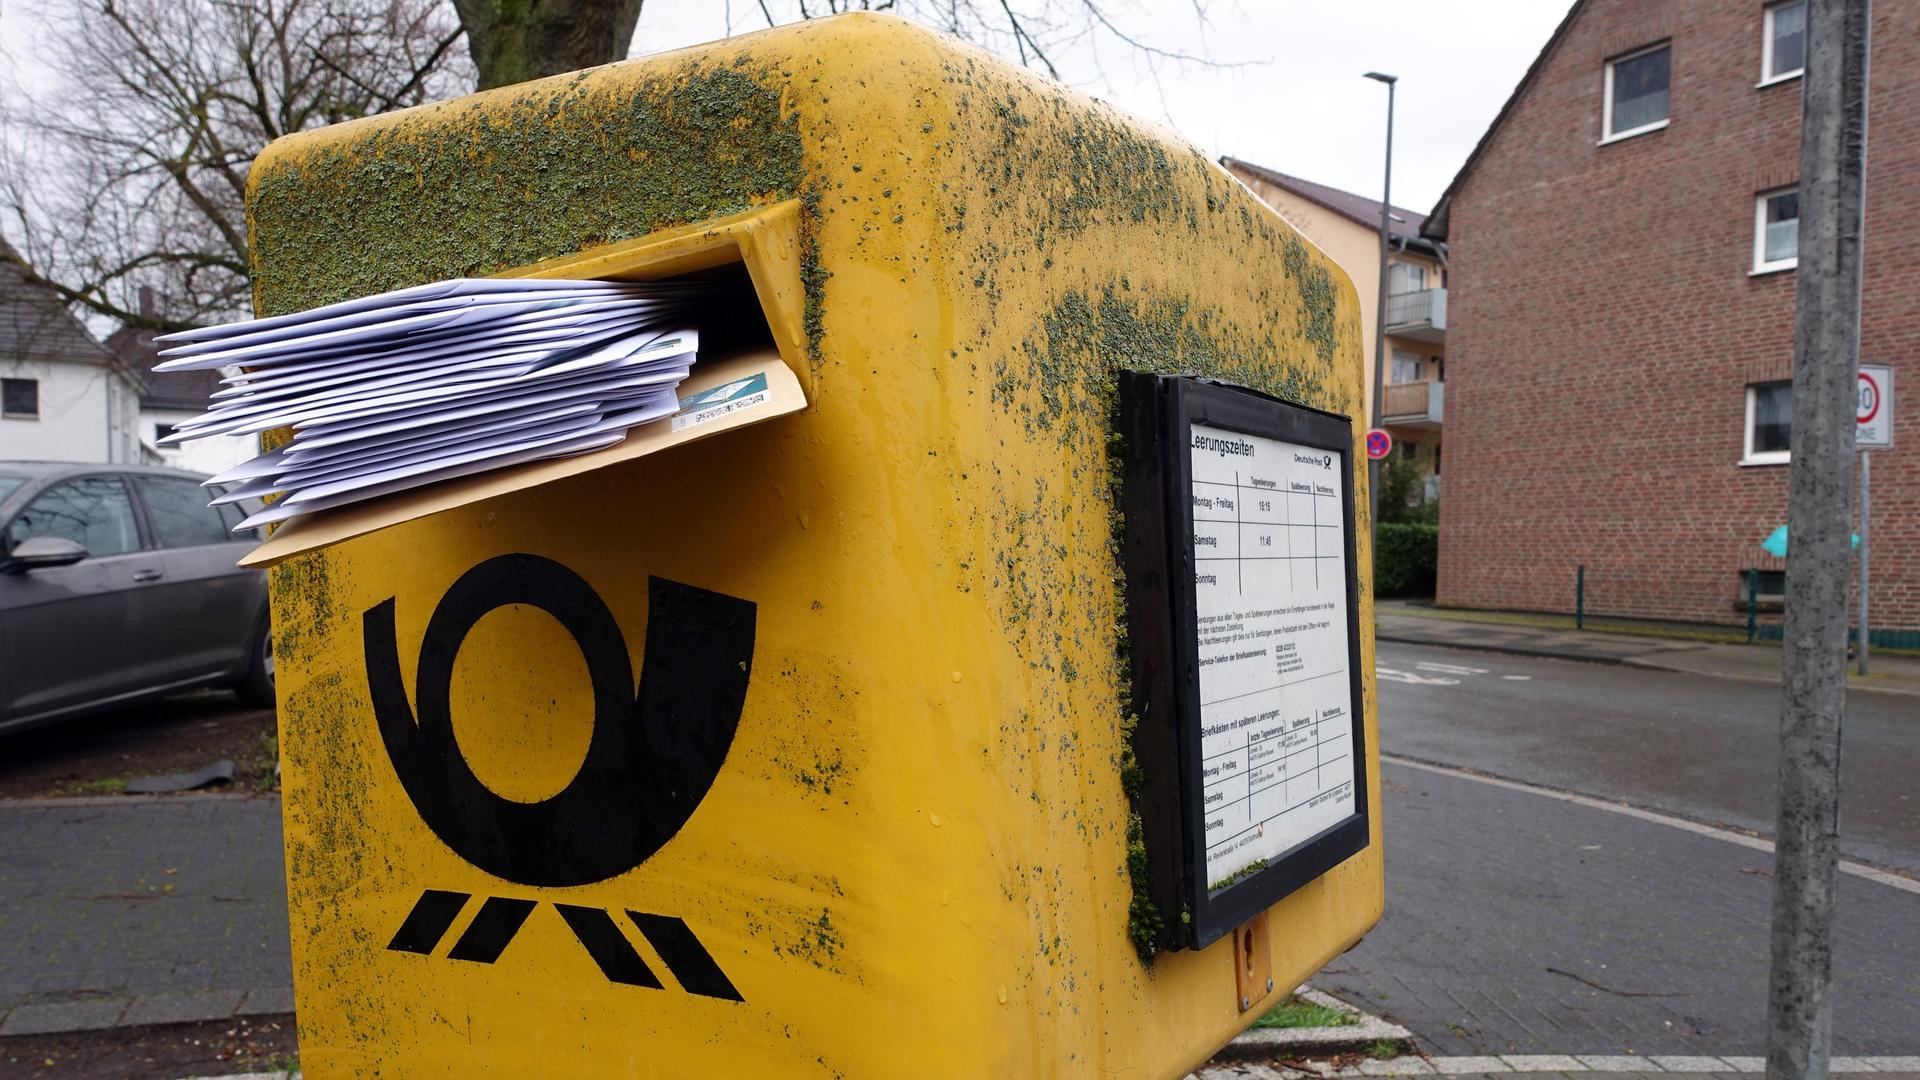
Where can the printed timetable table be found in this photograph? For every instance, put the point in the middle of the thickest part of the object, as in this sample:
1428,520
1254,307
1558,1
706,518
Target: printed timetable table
1276,699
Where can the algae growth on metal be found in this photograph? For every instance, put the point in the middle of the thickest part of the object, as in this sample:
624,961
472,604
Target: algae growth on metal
471,188
1045,191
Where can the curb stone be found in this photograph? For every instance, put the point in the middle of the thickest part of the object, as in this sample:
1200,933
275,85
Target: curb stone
1502,649
60,1017
154,1009
142,1010
1645,661
81,802
1366,1030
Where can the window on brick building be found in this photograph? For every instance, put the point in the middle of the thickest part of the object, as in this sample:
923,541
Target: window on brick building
1769,423
1783,41
1776,230
1767,585
1636,93
20,397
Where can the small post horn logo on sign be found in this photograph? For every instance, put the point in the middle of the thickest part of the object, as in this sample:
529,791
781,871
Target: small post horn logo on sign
1873,429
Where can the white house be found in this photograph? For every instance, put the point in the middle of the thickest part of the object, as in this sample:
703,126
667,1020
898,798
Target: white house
171,397
63,396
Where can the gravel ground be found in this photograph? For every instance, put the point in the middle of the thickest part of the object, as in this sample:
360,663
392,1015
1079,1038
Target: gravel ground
96,755
164,1052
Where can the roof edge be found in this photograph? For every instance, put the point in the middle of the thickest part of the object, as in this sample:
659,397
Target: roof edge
1227,161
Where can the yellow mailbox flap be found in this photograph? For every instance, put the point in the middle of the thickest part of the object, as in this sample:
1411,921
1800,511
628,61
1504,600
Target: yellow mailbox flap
721,395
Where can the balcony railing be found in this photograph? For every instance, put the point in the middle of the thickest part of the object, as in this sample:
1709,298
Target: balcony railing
1421,315
1420,403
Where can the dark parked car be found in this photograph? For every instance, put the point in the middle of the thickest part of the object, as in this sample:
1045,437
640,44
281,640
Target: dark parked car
118,584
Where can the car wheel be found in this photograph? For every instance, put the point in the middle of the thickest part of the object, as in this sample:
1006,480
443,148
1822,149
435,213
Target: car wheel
256,686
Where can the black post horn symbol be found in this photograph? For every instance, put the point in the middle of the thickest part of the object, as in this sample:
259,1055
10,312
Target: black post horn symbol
650,759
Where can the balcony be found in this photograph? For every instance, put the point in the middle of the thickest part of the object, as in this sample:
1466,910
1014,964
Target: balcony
1419,316
1413,404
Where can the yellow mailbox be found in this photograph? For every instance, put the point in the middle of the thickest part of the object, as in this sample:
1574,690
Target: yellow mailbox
923,722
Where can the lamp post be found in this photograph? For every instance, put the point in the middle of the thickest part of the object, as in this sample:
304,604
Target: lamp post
1380,320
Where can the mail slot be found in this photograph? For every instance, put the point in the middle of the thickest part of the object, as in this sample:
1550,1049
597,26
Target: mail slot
865,730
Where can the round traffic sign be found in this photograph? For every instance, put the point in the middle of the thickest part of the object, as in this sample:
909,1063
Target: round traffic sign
1869,406
1379,444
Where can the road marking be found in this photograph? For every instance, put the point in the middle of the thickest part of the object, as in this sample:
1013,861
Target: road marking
1450,669
1860,870
1525,678
1396,675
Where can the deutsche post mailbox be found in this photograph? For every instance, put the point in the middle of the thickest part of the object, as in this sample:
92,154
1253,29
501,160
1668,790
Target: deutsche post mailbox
989,697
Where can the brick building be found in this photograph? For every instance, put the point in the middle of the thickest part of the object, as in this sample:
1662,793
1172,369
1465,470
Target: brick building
1622,249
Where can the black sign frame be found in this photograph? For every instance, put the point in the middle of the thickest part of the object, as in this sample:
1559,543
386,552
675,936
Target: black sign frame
1154,422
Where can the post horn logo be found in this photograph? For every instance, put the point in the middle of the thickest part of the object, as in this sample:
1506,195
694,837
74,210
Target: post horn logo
652,757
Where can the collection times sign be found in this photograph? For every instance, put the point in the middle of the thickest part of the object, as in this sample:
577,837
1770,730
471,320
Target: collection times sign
1244,640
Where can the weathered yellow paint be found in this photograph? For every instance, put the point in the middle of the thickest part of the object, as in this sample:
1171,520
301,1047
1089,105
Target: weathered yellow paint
914,860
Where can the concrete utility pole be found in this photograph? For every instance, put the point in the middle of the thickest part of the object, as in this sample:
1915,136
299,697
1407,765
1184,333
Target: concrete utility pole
1380,319
1866,519
1833,147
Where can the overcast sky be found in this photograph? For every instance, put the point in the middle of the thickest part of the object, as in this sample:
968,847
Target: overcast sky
1293,101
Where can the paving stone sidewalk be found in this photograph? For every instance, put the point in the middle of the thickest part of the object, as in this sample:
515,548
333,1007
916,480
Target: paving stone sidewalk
122,912
1539,1067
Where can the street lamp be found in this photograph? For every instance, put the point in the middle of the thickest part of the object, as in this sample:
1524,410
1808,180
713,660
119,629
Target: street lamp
1380,319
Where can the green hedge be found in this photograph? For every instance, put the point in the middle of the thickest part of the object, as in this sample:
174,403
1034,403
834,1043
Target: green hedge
1407,561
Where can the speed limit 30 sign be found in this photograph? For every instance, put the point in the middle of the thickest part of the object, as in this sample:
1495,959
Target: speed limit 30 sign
1873,427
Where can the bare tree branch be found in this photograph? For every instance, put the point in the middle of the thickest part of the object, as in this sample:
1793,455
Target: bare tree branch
130,171
1037,33
395,99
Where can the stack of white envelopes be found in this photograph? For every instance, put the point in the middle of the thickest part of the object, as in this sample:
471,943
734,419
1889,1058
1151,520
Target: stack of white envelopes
406,388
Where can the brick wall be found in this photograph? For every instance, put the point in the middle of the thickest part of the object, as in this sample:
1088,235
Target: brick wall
1604,325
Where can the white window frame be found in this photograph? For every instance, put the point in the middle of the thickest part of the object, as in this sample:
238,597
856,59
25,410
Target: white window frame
1760,263
1411,266
1767,75
1607,134
1747,454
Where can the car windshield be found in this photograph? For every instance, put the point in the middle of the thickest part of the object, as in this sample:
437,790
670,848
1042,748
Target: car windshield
9,484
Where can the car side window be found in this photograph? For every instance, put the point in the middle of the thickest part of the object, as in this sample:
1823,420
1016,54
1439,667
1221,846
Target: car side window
93,511
179,512
232,515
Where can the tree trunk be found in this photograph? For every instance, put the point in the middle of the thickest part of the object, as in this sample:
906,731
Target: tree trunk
516,40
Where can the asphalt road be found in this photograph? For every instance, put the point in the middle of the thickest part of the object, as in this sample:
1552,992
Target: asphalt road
1700,747
1518,923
